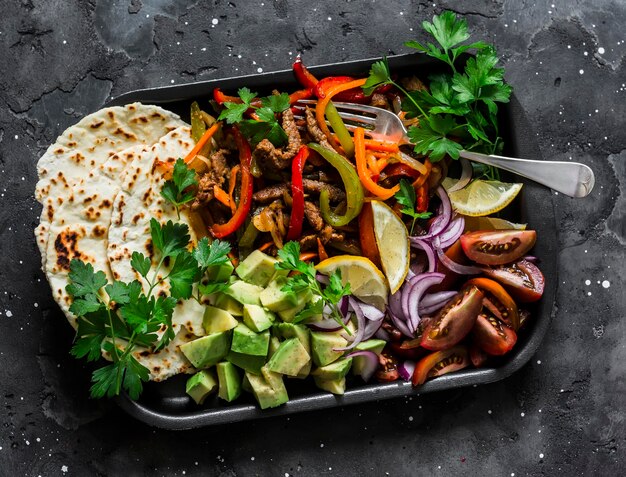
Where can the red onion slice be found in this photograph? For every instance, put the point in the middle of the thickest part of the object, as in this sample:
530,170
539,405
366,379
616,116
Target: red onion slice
395,303
360,323
466,176
401,325
370,312
371,363
434,302
430,254
452,233
442,220
420,285
381,334
452,265
371,327
406,369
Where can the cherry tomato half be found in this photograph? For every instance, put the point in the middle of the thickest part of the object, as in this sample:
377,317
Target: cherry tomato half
388,368
440,363
523,279
497,301
477,356
454,321
497,247
493,336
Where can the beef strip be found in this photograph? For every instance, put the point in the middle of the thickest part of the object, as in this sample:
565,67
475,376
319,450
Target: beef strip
270,157
380,101
413,83
271,193
326,235
314,129
313,215
315,187
214,176
276,191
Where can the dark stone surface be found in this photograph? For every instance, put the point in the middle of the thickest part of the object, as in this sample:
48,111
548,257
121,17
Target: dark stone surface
563,413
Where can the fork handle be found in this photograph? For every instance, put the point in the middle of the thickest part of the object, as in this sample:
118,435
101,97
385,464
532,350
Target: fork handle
570,178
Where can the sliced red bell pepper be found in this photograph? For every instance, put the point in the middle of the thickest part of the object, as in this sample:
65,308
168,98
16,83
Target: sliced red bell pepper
297,194
397,169
245,200
366,234
422,198
302,74
354,95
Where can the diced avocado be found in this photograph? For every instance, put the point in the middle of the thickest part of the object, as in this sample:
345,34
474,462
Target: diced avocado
374,345
334,371
245,293
246,341
289,330
249,363
274,299
245,383
290,358
229,381
257,268
305,371
217,320
274,345
257,318
266,395
322,344
229,304
201,384
335,386
281,273
208,350
288,315
220,273
275,380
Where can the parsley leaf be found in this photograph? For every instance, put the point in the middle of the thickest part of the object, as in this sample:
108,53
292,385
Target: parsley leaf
234,111
140,264
213,254
430,137
183,275
277,103
169,239
84,281
266,128
379,75
407,198
90,334
246,95
447,30
175,190
212,287
312,309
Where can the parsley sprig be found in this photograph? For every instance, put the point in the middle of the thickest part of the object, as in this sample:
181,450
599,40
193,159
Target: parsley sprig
177,190
459,111
305,279
266,126
117,317
407,198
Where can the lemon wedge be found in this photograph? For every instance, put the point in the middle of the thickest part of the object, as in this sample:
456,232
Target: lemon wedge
392,239
366,281
490,223
481,198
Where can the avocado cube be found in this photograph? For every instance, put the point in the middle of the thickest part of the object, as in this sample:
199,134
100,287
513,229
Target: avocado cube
227,303
246,341
248,363
290,358
217,320
274,345
257,268
335,386
323,346
220,273
245,293
289,330
275,299
208,350
334,371
288,315
229,381
257,318
359,362
200,385
245,383
266,395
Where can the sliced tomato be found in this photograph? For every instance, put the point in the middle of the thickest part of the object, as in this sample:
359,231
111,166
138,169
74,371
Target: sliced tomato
497,300
477,356
523,318
497,247
388,369
523,279
492,335
398,170
366,234
409,349
440,363
454,321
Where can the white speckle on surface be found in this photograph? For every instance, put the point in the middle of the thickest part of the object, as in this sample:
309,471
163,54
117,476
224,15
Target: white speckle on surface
172,81
569,47
587,282
215,21
64,469
541,456
9,313
588,293
489,411
606,284
410,418
252,458
522,414
538,361
259,70
601,51
330,19
16,136
581,71
65,42
321,445
585,53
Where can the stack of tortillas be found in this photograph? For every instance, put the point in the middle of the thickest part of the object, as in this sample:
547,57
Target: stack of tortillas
99,188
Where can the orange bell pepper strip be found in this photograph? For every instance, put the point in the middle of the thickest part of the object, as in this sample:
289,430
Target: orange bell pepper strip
364,174
321,251
167,167
245,200
366,235
382,146
221,195
232,182
320,109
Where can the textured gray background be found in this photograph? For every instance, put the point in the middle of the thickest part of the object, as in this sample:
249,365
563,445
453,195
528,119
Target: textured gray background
563,413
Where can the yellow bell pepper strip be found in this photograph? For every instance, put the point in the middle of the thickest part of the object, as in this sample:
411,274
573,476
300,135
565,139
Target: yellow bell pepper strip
351,182
320,109
364,173
245,200
198,127
340,129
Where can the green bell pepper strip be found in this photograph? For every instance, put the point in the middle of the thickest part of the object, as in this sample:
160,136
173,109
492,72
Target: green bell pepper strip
340,129
351,182
198,128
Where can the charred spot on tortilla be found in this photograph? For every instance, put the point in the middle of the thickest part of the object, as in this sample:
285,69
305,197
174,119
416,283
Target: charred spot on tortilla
97,124
99,231
65,245
119,131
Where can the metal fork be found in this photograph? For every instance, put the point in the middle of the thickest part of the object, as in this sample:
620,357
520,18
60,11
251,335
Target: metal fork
570,178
